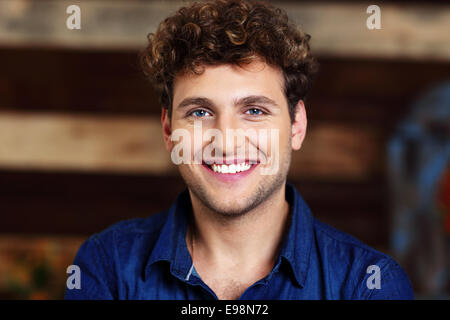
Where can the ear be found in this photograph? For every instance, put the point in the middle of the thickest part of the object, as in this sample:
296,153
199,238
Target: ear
298,126
167,131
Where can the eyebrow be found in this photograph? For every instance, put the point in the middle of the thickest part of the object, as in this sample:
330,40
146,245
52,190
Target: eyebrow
199,101
256,100
207,103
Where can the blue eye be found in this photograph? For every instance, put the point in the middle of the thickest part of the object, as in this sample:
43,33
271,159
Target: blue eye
254,112
199,113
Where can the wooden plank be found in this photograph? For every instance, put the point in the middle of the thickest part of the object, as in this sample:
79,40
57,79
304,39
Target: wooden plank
52,142
415,31
47,141
71,203
75,81
337,151
346,90
412,31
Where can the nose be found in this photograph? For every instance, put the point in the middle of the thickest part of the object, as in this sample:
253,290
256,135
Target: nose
233,135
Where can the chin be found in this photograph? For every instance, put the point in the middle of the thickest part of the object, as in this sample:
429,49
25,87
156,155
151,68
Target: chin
226,210
229,205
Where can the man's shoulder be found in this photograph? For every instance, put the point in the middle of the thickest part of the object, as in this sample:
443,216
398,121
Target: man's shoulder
110,255
345,241
132,230
344,249
356,263
150,224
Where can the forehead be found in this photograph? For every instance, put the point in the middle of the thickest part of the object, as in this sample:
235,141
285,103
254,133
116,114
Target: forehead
227,82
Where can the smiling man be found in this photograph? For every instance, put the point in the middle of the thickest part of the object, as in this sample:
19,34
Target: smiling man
239,231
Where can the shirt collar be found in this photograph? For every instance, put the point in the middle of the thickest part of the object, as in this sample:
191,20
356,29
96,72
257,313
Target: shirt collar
171,244
296,245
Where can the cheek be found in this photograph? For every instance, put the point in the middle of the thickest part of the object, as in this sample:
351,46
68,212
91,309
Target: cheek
279,138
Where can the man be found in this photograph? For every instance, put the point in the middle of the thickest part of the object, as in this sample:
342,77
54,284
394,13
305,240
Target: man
239,231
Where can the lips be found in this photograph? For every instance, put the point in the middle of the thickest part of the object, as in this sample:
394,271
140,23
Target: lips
231,171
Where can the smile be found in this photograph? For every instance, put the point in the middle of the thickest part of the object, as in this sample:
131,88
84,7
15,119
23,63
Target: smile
232,168
231,172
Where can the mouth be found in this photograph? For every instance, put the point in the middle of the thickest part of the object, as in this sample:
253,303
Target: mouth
231,172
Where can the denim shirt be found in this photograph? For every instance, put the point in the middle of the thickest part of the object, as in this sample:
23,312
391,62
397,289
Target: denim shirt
147,258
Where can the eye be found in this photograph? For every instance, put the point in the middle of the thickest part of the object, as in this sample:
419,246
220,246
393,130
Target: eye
199,113
254,112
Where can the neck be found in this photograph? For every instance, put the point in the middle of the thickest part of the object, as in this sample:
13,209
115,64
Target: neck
247,241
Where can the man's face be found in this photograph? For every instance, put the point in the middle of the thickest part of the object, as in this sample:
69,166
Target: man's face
229,97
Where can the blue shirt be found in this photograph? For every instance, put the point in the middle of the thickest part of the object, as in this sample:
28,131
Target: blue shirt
147,258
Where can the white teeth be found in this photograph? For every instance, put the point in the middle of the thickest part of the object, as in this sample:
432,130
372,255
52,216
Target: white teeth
232,168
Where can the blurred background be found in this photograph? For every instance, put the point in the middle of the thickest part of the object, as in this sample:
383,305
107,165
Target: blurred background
81,146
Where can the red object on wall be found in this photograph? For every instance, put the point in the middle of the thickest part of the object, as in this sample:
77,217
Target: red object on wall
444,199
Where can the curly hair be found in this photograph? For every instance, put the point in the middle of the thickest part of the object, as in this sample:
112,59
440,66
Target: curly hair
217,32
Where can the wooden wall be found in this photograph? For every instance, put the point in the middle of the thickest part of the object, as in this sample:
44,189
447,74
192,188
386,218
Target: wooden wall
80,144
62,101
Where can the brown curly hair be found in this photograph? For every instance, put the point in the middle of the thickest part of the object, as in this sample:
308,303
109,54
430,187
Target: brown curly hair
219,32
